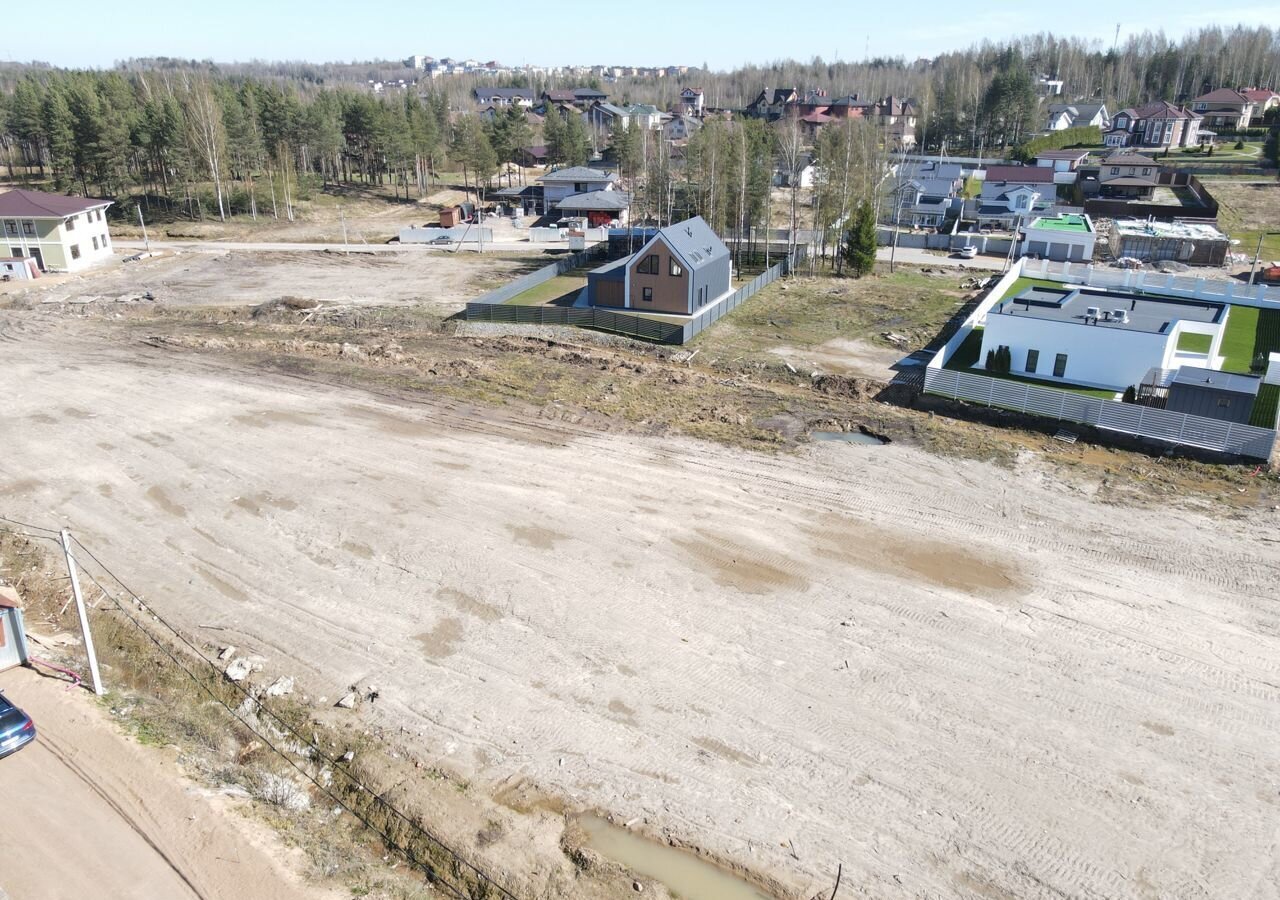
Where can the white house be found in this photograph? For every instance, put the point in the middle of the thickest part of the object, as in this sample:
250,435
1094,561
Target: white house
1078,115
1099,338
680,128
691,101
564,183
62,234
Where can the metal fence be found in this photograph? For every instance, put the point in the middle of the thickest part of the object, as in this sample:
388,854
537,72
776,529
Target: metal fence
546,273
1186,286
710,316
1127,418
582,317
493,308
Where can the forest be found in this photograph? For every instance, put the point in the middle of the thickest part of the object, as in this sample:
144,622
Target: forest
202,140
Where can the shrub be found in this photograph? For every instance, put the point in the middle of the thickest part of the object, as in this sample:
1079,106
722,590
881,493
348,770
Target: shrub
1239,145
1130,395
991,361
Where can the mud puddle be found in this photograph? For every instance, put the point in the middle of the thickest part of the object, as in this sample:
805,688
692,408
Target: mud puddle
684,874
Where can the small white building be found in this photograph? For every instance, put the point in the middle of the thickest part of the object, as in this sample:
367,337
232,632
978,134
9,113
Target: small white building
1102,339
1061,238
564,183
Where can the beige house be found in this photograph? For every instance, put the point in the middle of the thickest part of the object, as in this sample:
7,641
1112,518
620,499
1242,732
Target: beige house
62,234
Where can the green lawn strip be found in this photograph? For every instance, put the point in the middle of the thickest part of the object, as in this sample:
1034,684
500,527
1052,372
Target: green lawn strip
1189,342
1100,393
559,291
1264,408
1239,338
1023,283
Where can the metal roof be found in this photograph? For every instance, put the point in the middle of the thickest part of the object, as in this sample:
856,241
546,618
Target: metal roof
596,200
578,173
1020,174
1148,314
39,205
694,241
1222,381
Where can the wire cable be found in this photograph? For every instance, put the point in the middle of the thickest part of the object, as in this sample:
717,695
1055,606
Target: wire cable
334,762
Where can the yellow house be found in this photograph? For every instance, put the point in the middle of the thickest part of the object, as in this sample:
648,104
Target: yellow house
62,234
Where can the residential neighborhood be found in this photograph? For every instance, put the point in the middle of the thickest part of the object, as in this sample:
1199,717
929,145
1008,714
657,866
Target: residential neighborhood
682,452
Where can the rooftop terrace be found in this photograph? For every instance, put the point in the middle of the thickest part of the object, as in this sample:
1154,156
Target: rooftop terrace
1069,223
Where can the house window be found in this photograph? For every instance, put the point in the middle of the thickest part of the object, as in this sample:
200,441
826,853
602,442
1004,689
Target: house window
1033,360
104,242
648,265
1224,402
75,251
646,294
1060,365
1146,171
95,243
10,227
676,270
29,228
1115,170
71,223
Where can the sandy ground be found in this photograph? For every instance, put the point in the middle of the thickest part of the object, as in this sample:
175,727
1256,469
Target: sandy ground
843,357
89,813
441,281
955,679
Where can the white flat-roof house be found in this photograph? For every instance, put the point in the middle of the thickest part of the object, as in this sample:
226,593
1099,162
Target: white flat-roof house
62,234
1099,338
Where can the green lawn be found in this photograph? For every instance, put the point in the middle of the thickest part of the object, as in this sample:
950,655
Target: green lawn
1264,408
972,187
558,291
1250,332
1023,283
1189,342
1100,393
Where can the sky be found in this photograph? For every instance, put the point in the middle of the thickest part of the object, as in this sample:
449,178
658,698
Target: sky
721,33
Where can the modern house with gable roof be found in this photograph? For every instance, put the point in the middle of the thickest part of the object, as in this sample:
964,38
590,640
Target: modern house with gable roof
62,234
681,269
1224,108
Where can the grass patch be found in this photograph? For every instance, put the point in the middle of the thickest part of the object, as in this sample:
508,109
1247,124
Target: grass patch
1023,283
808,312
972,187
1251,333
558,291
1264,408
1190,342
1099,393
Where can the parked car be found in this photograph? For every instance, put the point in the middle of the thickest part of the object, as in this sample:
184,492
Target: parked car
967,252
16,728
443,239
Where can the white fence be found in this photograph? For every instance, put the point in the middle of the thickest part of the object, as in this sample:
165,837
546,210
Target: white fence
1127,418
1186,286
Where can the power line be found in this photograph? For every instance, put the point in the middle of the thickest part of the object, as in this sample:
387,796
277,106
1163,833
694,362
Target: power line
335,763
26,525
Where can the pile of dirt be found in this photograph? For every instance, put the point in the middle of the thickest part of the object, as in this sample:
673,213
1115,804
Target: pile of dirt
846,386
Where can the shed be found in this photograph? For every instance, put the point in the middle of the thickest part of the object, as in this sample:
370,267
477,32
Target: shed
1212,394
607,285
13,635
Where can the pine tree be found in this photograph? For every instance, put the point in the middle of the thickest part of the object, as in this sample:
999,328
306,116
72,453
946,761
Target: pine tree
860,245
59,128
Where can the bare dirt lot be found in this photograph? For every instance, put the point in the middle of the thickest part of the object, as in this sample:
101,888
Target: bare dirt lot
441,282
953,677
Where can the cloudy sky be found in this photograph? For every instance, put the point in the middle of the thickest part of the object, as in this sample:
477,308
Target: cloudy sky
720,33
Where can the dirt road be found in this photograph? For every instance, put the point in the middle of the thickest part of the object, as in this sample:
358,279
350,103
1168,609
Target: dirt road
955,679
89,813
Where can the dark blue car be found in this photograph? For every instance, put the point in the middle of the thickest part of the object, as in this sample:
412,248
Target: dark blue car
16,728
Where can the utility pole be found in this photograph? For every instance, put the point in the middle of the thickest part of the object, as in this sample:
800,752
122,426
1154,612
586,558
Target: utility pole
146,241
342,217
1257,254
82,613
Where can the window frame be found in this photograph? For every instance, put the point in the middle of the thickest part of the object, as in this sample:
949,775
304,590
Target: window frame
29,228
1060,366
75,251
646,294
1032,362
674,269
11,227
648,265
70,223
